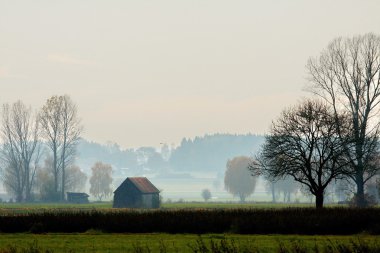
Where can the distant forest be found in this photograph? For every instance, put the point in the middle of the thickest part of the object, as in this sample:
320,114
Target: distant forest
208,153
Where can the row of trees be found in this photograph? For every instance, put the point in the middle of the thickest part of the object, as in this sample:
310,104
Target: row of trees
237,179
212,151
51,134
209,151
241,183
337,135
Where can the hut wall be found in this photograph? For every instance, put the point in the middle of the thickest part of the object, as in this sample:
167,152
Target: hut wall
155,200
127,196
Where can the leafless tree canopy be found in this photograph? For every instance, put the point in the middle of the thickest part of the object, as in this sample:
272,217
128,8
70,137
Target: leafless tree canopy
61,129
20,150
304,144
347,76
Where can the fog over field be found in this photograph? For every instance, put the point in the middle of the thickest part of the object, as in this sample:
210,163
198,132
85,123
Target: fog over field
174,91
149,72
181,172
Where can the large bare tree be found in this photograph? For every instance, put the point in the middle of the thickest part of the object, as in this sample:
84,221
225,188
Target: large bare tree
61,129
347,76
303,144
20,151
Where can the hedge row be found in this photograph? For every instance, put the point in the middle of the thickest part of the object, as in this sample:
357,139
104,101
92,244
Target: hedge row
337,221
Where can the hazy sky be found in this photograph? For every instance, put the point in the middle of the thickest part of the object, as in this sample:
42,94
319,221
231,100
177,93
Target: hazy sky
146,72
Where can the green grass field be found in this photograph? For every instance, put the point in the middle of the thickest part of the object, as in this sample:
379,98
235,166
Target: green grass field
98,242
186,205
54,205
24,207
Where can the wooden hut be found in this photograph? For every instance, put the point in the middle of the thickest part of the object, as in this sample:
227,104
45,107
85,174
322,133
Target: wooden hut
77,197
136,192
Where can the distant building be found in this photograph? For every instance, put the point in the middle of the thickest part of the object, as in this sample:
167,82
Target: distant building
77,197
136,192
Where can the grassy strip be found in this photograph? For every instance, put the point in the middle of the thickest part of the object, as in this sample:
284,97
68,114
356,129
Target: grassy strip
34,207
212,205
114,243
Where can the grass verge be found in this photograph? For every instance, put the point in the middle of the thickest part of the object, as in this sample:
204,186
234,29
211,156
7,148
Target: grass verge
93,241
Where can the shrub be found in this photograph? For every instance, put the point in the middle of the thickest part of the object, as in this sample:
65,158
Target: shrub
369,200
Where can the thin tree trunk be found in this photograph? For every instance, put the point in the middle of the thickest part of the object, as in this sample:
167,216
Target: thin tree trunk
27,186
273,193
63,178
242,198
55,169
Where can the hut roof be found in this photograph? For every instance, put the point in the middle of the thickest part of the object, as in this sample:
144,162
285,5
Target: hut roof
141,183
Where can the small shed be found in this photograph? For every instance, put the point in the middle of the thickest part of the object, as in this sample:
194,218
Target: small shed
136,192
77,197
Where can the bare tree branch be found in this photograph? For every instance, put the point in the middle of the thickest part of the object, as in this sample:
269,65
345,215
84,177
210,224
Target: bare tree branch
304,144
347,76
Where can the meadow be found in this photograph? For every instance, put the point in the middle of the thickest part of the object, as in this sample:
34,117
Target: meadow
35,207
94,241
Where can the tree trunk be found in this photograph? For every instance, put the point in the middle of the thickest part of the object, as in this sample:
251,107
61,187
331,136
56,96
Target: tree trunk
273,193
360,198
319,196
27,187
19,197
63,181
55,170
242,198
359,168
19,192
359,177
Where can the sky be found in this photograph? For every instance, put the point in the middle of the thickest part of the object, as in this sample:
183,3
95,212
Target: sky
145,72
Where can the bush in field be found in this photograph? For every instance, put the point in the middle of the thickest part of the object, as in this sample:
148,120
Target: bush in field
45,183
206,194
369,200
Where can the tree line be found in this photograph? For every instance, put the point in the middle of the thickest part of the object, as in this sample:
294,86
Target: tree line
335,134
209,152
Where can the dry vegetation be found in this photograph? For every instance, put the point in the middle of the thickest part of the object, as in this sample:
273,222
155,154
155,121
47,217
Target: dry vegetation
336,221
